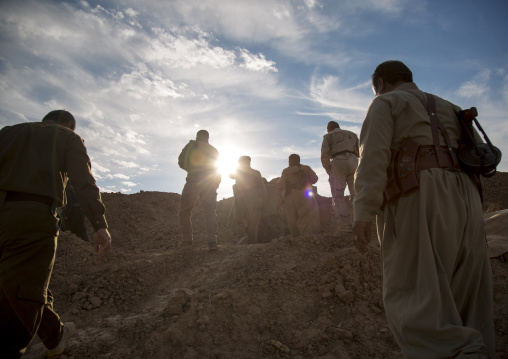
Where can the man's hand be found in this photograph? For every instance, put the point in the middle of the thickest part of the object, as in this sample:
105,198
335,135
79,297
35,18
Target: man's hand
102,242
362,232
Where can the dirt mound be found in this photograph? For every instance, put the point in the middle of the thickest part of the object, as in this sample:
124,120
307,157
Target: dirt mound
495,192
311,297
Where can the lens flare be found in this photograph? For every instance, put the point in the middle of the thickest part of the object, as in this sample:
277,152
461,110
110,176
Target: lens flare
309,192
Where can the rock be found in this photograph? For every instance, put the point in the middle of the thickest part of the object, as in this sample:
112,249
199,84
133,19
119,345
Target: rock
342,333
96,302
346,297
172,309
279,346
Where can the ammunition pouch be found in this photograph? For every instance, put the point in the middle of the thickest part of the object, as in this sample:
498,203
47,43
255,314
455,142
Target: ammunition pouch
402,178
406,164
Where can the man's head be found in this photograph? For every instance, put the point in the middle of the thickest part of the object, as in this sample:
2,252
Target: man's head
294,159
244,161
332,125
202,135
61,117
389,75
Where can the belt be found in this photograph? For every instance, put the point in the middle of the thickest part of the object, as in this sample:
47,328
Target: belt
428,159
22,196
341,153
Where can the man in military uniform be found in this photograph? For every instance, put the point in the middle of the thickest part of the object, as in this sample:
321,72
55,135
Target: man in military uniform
250,194
199,159
339,156
295,190
437,288
36,159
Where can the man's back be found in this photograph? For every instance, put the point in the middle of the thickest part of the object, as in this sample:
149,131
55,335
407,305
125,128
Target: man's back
248,180
33,158
337,141
38,157
198,156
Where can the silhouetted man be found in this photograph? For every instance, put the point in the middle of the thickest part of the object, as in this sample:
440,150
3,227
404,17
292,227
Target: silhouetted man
36,159
339,156
199,159
295,190
250,194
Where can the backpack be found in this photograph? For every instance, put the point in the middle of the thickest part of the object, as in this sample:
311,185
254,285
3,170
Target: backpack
183,159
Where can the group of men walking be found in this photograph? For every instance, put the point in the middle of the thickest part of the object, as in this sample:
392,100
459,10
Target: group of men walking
294,195
437,288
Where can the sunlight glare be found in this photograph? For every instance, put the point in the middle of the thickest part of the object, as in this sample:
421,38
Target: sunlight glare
228,159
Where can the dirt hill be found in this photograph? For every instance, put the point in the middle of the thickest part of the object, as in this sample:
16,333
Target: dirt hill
311,297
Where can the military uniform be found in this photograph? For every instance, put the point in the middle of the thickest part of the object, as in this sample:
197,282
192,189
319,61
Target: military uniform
300,203
339,156
437,288
35,161
250,193
199,159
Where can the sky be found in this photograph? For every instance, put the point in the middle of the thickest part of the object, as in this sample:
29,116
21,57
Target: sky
263,77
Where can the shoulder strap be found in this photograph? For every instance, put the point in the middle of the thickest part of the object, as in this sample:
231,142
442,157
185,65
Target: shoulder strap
435,124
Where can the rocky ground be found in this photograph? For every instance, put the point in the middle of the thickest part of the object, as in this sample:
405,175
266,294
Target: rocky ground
311,297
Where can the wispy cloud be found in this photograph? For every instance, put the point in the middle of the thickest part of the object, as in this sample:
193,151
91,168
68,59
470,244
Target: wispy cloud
265,76
478,87
332,94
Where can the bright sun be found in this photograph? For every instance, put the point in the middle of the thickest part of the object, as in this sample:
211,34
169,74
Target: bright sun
228,159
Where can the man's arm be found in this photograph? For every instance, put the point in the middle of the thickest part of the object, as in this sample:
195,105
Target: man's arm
102,242
325,154
183,158
370,176
311,175
375,155
357,146
79,171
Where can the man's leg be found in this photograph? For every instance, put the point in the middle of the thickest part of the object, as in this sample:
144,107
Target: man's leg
253,218
28,233
50,325
435,301
187,201
209,202
292,214
308,215
352,163
338,182
237,215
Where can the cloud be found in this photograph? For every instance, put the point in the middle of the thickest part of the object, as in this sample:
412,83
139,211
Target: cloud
478,87
126,164
348,103
265,76
129,184
256,62
118,175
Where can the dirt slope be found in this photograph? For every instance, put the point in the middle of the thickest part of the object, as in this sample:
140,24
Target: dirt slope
313,297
